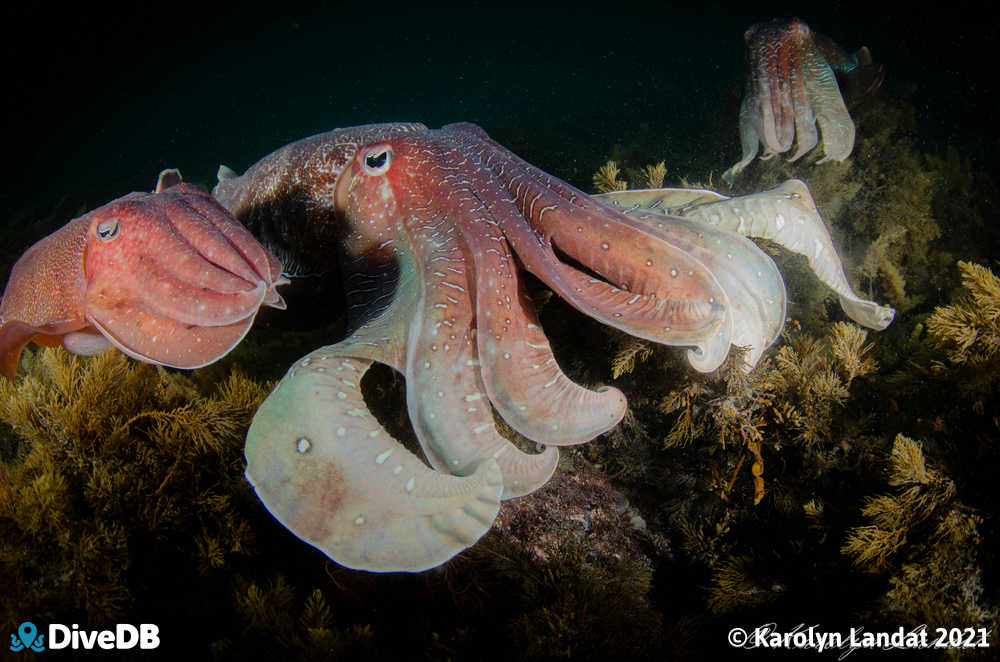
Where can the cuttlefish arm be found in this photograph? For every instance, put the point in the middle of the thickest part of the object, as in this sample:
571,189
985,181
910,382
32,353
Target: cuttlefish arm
322,464
168,277
325,467
786,215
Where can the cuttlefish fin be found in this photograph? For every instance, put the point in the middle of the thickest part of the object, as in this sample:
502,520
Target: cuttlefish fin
325,468
169,177
225,172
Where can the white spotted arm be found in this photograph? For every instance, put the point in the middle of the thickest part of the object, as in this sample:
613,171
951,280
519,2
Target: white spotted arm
786,215
328,471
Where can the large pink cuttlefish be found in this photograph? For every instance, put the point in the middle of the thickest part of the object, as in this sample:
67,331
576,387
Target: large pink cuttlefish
425,225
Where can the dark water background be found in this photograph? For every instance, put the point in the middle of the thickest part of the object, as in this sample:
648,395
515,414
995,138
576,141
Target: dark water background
99,99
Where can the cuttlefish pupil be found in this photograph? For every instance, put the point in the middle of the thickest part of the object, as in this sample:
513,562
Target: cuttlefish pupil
107,230
378,162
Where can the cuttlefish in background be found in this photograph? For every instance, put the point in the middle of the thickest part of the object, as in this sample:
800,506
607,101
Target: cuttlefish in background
792,93
168,277
430,229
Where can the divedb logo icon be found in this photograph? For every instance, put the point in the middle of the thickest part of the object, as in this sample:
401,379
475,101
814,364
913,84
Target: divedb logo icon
27,637
124,636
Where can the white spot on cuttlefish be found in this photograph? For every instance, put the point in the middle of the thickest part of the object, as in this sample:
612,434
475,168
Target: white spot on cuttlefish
303,445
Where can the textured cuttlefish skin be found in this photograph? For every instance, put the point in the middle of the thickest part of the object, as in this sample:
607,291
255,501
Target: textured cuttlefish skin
425,225
169,278
791,89
786,215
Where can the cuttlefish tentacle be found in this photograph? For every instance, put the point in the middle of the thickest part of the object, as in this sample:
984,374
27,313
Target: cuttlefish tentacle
177,281
522,378
432,309
786,215
227,246
448,406
322,464
193,285
775,100
755,292
512,356
528,387
835,123
643,285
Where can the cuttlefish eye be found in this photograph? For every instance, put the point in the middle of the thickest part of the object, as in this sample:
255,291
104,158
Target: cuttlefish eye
107,230
377,160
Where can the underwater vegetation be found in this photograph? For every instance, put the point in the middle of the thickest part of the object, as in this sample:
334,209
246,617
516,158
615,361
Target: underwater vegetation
109,468
967,331
927,541
803,478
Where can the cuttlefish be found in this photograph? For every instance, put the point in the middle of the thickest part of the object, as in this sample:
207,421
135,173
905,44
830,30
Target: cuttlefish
168,277
429,229
792,93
